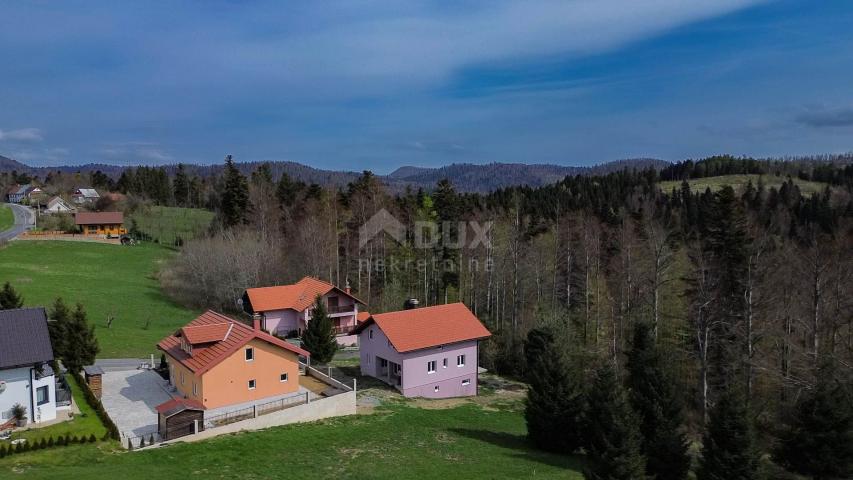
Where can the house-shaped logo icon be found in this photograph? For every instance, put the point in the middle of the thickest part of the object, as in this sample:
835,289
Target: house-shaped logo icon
381,221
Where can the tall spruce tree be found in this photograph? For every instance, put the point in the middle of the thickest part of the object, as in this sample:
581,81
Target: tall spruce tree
319,338
9,298
81,346
181,186
728,446
59,317
655,398
555,401
818,437
613,448
235,196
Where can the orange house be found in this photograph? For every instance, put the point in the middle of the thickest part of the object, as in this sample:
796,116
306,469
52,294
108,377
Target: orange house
100,223
218,361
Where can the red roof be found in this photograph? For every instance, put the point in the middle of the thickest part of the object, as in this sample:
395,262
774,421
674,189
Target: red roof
208,355
98,218
175,405
297,296
206,333
409,330
362,317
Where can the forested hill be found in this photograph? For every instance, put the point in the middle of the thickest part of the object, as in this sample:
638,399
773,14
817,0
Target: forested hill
467,177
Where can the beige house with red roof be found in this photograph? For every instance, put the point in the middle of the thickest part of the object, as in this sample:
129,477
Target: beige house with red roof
424,352
217,361
285,310
100,223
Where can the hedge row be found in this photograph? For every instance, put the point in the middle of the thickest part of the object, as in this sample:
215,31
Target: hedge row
46,443
112,430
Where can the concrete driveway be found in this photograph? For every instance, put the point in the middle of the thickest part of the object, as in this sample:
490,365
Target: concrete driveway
130,397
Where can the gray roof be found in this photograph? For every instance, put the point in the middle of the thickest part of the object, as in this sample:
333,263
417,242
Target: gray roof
93,370
24,339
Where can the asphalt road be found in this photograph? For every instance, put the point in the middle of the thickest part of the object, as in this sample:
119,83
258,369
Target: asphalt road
24,219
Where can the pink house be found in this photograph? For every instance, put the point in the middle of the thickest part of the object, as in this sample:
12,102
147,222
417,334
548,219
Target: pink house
285,310
425,352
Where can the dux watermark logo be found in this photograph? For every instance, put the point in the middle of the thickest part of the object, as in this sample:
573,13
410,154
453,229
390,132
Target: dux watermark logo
426,234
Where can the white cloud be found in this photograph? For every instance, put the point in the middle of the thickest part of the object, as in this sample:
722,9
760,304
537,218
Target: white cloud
21,135
132,153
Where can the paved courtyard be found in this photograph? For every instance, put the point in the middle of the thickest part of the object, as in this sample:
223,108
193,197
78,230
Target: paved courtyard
130,396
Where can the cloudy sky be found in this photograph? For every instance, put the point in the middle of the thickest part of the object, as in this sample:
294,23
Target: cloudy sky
378,84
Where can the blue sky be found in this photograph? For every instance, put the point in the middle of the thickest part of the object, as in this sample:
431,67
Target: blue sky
379,84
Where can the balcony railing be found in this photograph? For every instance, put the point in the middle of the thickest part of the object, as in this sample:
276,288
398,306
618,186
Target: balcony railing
341,309
342,329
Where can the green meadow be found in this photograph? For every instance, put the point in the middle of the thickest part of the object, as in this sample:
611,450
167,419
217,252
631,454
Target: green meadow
166,224
739,182
7,218
111,281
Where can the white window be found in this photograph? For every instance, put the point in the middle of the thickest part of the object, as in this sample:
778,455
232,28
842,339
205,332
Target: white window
250,354
370,334
460,360
467,381
282,378
195,390
444,363
251,384
435,389
431,366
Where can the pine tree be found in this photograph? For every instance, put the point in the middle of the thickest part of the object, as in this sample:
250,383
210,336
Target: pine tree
181,187
654,397
614,431
818,438
81,344
235,197
9,298
319,338
554,407
729,451
59,316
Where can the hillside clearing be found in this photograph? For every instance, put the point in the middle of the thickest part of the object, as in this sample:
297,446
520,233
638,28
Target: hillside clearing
109,280
166,224
739,182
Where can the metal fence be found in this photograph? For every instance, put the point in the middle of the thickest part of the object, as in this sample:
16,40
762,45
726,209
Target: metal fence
229,417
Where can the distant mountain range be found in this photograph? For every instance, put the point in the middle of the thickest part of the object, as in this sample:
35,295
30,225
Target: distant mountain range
466,177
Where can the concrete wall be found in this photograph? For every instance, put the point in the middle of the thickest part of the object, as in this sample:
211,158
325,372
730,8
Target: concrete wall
337,406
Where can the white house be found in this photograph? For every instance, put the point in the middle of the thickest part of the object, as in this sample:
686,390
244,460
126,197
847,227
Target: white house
85,195
58,205
25,375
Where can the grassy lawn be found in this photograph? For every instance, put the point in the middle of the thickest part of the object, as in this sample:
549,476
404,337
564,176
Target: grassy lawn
7,218
739,182
167,223
109,280
468,441
84,424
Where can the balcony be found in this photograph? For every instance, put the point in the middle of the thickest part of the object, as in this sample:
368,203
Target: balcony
342,329
341,309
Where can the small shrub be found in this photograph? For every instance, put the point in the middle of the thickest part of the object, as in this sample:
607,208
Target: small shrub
50,442
141,442
129,444
19,448
2,451
60,442
92,438
68,439
151,439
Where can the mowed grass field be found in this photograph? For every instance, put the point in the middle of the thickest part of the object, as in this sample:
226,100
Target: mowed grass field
166,224
739,182
109,280
7,218
469,441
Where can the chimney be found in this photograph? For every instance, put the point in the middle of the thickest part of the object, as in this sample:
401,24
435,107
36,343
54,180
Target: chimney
410,304
256,321
347,289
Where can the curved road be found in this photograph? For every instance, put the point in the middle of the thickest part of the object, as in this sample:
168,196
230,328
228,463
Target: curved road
24,219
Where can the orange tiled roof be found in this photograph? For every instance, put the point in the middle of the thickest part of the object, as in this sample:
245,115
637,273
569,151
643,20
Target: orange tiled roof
98,218
175,405
409,330
297,296
362,317
208,355
206,333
